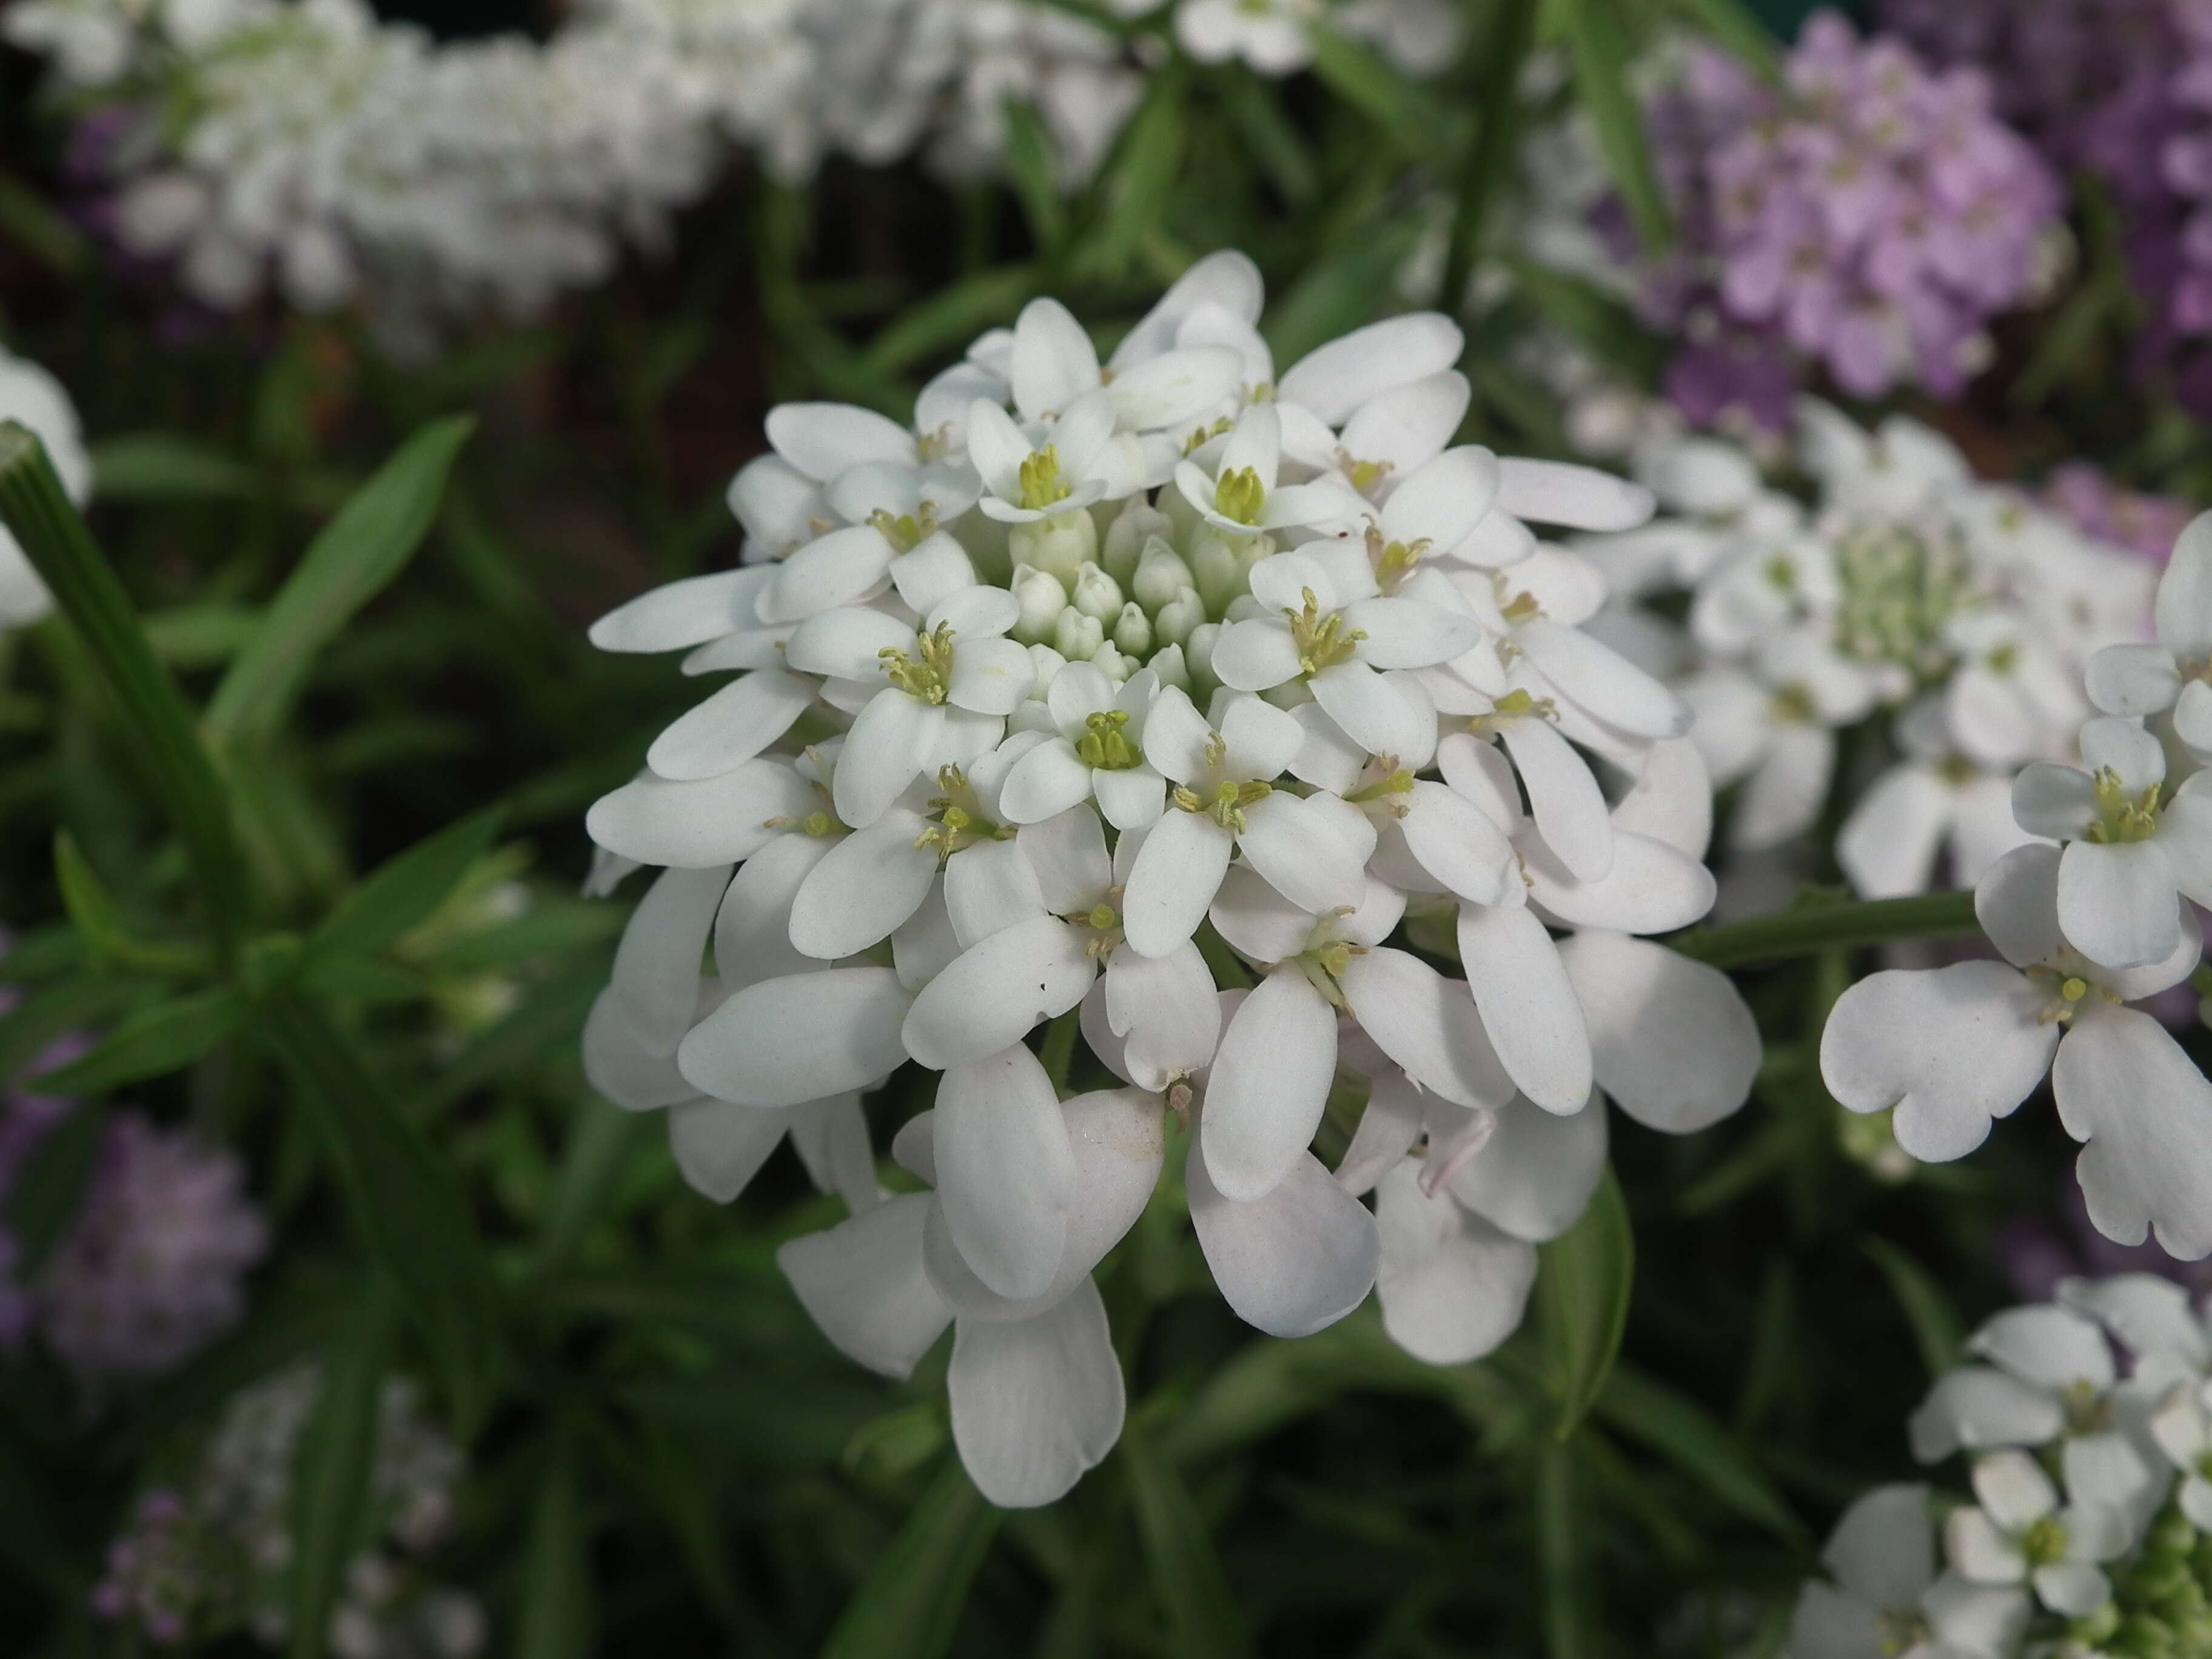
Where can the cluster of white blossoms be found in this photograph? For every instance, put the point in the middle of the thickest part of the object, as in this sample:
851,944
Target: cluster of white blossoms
1964,611
304,147
1151,696
2088,1535
34,398
2093,914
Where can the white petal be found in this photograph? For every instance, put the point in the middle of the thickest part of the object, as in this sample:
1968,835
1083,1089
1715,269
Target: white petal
1259,922
2014,1489
990,675
624,1070
1036,1403
1388,1128
1978,1622
1271,1080
2051,1347
1535,1175
1255,655
1784,794
1055,362
1067,854
1951,1048
720,1147
732,727
2053,801
1671,1039
1046,782
996,992
684,613
990,887
2126,1088
1293,1262
1604,683
656,973
1980,1552
1528,1005
1174,388
862,1282
1479,771
1883,1550
1177,873
2132,679
1888,844
2073,1588
823,440
1294,846
1579,497
1176,736
847,643
1563,797
889,744
2116,903
1672,801
1428,1024
928,574
1452,1286
1442,501
1132,799
1456,842
2149,1314
1167,1009
1334,379
713,821
1227,281
831,1139
1006,1174
863,888
1651,889
1404,633
786,1040
1260,739
2185,593
839,570
1976,1405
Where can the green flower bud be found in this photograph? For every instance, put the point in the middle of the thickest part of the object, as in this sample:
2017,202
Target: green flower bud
1132,631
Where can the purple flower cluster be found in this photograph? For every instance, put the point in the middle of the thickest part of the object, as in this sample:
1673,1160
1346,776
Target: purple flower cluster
2149,524
1869,215
153,1265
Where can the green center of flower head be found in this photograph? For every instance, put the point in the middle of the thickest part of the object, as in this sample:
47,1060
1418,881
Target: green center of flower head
1104,922
1328,958
1239,495
1322,641
1399,782
908,530
957,819
2043,1543
1364,475
1781,574
1900,589
1102,746
1392,561
1897,1631
1230,799
2160,1608
1041,485
2087,1409
928,680
2121,817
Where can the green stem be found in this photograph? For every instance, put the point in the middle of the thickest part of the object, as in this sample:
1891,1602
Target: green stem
157,724
1830,927
1059,1053
1505,48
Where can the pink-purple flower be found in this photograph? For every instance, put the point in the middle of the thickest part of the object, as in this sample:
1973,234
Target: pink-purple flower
1868,214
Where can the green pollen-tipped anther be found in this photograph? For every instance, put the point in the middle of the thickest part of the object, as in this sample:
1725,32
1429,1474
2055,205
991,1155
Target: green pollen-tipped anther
1041,485
1239,495
930,679
1102,747
2122,818
1322,641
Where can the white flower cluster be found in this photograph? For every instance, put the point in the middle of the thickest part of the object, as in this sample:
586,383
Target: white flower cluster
1965,610
2089,1532
34,398
1155,693
2093,914
305,147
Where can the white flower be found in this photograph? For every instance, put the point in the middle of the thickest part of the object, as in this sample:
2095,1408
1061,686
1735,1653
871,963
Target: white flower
2130,859
2019,1534
1097,753
1956,1047
1886,1601
1935,801
1272,36
1240,495
2183,1429
2168,676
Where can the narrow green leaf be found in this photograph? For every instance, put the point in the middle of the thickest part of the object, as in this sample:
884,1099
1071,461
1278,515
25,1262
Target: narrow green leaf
951,315
404,889
1684,1433
1599,45
407,1208
1564,1590
1733,24
1582,1288
555,1618
165,1038
200,636
601,1142
1934,1319
1490,158
48,1189
1274,141
30,221
1808,930
92,909
331,1474
908,1605
1032,161
1341,291
1142,179
546,1025
157,726
1367,82
358,553
1202,1616
157,466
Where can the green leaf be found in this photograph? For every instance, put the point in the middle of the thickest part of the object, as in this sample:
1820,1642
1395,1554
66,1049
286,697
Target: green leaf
406,1206
1366,81
158,467
547,1023
30,222
1339,292
331,1471
404,889
157,726
1808,930
1031,159
92,909
1490,158
48,1189
153,1043
1732,23
601,1142
1934,1319
1202,1615
1141,180
1582,1287
1684,1433
200,636
908,1605
1599,45
1270,137
952,315
555,1618
356,556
